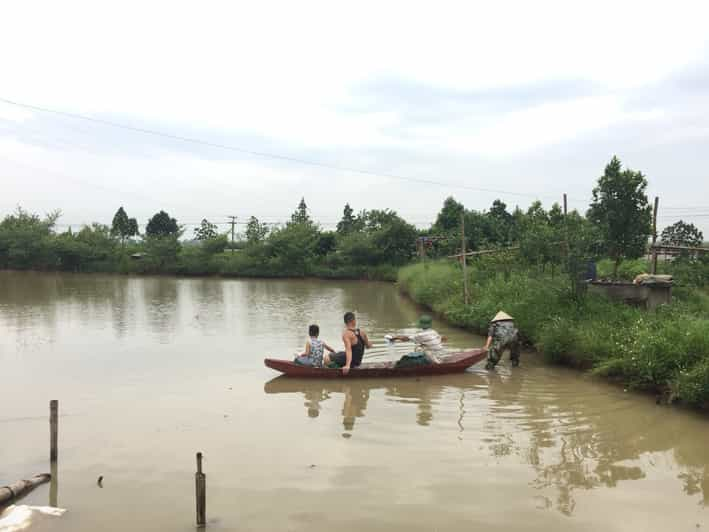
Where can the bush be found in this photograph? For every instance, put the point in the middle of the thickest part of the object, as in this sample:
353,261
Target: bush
661,351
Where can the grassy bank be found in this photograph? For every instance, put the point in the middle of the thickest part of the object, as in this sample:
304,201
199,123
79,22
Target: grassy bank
665,351
196,262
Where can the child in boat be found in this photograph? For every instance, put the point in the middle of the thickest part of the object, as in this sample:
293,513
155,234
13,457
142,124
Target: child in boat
313,355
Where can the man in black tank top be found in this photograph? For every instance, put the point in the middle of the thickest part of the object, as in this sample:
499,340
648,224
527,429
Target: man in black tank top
355,341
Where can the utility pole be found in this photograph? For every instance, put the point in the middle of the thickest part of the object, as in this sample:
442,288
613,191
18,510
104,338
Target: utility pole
233,224
564,203
653,269
463,250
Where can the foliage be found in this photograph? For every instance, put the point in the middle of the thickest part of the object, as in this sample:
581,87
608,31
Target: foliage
122,226
162,225
255,231
349,222
620,209
26,240
682,234
206,230
665,351
215,244
301,216
448,219
162,252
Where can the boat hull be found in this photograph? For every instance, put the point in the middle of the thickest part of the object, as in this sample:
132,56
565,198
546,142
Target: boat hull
453,363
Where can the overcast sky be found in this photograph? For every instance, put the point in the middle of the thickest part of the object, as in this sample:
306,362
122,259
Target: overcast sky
529,99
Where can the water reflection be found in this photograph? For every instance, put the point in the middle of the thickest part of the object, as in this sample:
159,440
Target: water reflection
570,442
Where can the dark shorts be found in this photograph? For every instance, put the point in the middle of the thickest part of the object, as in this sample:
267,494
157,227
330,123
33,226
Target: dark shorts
340,358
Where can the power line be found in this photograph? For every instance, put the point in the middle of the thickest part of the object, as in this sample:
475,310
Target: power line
269,155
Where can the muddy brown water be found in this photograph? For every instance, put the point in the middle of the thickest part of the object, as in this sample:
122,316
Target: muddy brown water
150,370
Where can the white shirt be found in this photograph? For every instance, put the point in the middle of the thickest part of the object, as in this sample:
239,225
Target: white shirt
430,341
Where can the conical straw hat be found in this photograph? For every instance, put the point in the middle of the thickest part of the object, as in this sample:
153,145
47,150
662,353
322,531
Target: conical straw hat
501,316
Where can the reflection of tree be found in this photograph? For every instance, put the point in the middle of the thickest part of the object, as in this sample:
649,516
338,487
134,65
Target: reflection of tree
696,481
161,297
572,438
122,309
208,300
578,440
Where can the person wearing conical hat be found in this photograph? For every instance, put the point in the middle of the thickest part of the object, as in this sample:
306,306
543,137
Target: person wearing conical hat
501,335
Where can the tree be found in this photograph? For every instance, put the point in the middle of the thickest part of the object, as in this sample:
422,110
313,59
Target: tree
25,240
123,226
300,216
682,234
206,230
621,211
292,248
255,231
162,251
385,238
448,219
501,223
161,225
348,222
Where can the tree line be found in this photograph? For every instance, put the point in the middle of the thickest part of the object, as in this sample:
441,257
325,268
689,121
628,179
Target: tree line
368,243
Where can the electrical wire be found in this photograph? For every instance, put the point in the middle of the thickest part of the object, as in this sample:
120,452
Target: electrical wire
275,156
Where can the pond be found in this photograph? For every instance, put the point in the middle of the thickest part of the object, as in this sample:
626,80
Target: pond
150,370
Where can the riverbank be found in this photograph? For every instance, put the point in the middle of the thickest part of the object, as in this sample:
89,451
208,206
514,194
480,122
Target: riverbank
666,351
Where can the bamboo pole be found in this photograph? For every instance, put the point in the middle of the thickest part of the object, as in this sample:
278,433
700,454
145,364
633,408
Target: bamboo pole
483,252
201,493
466,296
653,269
20,488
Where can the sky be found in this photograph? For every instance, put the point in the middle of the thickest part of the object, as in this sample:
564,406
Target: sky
396,104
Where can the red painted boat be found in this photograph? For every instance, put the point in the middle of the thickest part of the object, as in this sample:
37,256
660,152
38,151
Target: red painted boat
453,363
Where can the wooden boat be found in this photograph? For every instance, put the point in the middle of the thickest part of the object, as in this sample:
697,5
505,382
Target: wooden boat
453,363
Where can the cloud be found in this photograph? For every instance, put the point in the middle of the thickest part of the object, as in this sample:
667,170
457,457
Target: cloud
525,97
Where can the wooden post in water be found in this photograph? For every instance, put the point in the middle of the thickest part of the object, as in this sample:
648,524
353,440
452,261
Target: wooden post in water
466,297
653,267
200,480
53,430
53,451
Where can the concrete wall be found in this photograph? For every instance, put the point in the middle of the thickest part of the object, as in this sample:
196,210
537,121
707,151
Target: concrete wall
646,295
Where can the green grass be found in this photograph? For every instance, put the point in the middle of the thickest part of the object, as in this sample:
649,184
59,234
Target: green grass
666,350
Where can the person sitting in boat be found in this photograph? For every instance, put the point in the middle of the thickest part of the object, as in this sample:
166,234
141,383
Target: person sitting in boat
355,341
427,340
502,335
313,355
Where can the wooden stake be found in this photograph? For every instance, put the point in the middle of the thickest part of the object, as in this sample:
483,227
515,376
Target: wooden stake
53,430
465,264
54,486
200,480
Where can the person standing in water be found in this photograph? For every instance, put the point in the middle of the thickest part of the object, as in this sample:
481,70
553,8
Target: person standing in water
355,341
502,335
